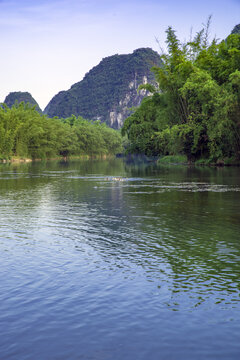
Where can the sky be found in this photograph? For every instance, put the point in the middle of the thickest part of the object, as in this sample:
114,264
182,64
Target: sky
48,45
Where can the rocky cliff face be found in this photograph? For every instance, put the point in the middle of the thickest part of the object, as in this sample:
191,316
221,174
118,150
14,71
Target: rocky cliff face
108,91
132,98
19,96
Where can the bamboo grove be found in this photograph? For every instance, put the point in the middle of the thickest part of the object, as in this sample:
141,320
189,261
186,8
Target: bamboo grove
25,133
194,109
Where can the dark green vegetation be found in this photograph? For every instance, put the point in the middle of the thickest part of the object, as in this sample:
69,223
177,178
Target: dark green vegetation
108,90
236,29
26,133
18,97
195,109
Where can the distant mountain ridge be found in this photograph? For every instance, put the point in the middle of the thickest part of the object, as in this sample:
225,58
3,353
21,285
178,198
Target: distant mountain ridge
19,96
236,29
108,90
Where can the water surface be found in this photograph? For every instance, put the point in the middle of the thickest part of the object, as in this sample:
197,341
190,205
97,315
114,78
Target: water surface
110,260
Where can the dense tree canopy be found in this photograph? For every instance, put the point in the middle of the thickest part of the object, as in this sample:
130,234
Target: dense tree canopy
196,108
26,133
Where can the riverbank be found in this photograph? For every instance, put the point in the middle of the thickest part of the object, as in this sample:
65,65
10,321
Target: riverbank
182,160
15,160
164,160
20,160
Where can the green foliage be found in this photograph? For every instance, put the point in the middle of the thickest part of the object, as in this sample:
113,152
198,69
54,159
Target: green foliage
18,96
26,133
198,108
142,125
172,159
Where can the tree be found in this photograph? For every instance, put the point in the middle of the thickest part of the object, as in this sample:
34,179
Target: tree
198,106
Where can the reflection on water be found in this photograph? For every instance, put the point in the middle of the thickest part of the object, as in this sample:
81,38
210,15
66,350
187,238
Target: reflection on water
103,260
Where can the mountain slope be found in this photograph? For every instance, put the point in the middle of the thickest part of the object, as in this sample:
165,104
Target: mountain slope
236,29
20,96
108,90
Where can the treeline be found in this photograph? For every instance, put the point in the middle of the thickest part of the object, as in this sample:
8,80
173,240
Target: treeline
195,108
26,133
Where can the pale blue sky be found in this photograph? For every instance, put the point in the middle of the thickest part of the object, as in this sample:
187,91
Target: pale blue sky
48,45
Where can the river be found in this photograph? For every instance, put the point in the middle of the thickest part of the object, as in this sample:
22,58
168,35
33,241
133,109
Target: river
109,260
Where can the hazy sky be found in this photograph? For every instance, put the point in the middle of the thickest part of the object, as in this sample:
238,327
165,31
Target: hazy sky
48,45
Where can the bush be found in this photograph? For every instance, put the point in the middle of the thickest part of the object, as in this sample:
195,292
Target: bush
173,159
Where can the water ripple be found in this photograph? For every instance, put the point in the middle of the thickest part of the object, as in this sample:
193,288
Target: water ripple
97,267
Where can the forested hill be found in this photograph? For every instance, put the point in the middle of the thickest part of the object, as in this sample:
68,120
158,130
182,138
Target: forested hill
108,90
19,96
236,29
